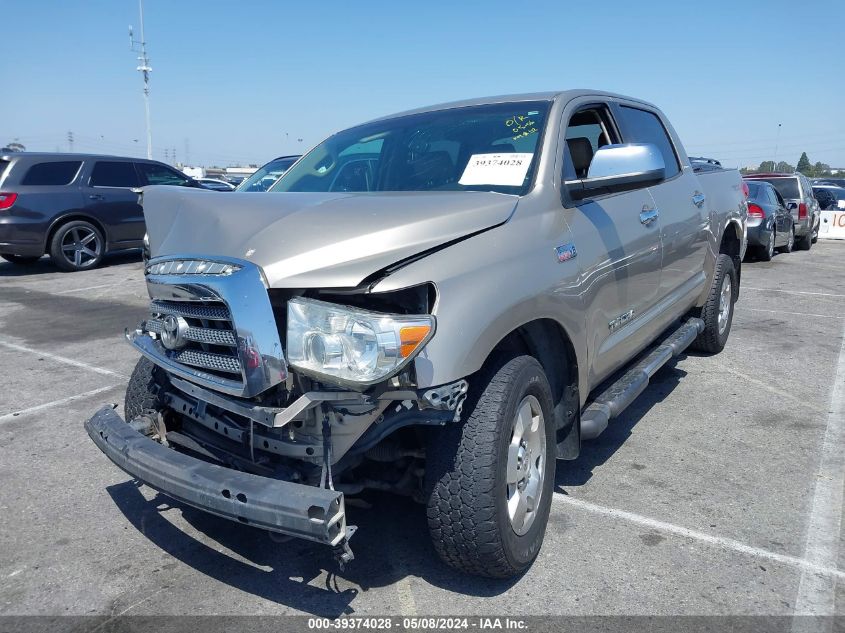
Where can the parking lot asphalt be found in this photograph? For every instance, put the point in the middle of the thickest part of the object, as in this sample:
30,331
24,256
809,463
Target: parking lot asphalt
719,491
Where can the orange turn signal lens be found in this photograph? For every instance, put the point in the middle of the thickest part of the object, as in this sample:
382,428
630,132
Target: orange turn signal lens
410,337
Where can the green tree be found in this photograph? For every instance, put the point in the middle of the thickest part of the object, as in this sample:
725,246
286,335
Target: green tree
784,168
767,165
14,146
804,165
821,169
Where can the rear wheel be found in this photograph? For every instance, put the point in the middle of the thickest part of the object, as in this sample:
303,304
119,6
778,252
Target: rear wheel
77,245
718,312
491,477
790,241
768,251
806,243
20,260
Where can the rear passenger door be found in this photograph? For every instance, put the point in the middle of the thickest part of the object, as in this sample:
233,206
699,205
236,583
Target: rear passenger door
110,199
617,241
683,211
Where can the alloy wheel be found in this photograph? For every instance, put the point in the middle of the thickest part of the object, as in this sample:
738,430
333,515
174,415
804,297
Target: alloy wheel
725,303
526,464
81,246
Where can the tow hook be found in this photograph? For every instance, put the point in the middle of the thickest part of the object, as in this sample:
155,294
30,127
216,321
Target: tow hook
150,423
342,552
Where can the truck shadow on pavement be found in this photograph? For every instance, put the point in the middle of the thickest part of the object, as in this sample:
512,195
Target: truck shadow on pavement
596,452
392,543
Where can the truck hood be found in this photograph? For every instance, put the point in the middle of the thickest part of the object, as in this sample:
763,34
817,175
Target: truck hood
316,240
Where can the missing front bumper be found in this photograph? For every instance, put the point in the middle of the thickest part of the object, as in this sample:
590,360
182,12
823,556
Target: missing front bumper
308,512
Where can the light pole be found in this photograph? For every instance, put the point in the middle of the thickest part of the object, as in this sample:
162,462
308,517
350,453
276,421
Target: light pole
777,142
145,70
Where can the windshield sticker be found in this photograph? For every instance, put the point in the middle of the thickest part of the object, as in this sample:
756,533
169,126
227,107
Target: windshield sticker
508,170
522,125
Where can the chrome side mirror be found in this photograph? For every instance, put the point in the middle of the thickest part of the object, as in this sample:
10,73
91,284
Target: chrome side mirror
622,167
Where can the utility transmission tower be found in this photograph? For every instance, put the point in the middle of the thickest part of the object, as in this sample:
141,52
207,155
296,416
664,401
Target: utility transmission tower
70,142
140,46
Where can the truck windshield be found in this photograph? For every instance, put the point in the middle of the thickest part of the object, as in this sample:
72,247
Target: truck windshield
477,148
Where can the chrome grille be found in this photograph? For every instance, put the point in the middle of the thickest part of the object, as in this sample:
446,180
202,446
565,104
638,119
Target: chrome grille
212,336
212,323
187,309
210,342
206,360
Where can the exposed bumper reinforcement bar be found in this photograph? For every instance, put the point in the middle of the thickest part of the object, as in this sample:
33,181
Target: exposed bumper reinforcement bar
307,512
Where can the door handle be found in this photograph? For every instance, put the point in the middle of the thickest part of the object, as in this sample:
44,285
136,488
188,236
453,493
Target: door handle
698,198
96,196
648,215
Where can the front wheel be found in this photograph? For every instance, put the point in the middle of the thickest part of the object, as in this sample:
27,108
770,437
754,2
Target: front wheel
144,389
718,311
491,477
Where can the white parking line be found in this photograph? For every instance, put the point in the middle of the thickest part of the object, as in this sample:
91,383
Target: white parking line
794,292
61,359
54,403
718,541
817,593
70,290
824,316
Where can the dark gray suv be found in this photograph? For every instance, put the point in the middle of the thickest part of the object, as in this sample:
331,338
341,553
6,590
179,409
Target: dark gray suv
74,207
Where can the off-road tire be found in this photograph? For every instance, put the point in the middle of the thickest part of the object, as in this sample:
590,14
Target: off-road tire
711,341
142,392
57,256
21,260
467,479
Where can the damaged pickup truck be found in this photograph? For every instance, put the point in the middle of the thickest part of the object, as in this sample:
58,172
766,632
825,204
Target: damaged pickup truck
439,303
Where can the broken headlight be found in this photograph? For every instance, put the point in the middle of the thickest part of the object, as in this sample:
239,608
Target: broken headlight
351,345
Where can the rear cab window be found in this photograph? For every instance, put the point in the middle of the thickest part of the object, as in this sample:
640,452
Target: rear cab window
114,174
644,126
52,173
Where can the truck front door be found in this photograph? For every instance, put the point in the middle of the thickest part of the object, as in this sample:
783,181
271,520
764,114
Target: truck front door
617,239
683,210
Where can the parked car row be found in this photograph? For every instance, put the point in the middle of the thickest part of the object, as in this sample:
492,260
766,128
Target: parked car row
783,213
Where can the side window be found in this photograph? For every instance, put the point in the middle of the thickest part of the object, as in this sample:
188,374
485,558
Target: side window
778,197
56,173
114,174
641,126
162,175
587,131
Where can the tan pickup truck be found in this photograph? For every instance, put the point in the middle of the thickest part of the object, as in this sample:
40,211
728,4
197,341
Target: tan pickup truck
440,303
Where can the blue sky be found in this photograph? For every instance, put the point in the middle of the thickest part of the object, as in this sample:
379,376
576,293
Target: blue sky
241,81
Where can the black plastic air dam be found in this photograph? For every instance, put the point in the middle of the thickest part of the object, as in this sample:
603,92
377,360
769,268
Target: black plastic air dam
307,512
